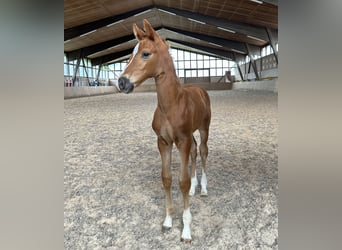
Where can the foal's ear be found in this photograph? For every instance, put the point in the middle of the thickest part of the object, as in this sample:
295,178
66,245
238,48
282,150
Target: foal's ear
138,33
150,33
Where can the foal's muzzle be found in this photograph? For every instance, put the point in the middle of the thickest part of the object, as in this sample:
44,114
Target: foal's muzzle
125,85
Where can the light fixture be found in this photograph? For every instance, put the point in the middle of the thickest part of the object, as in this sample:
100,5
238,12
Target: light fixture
95,53
194,38
142,12
255,38
256,1
114,47
88,33
115,23
195,21
168,12
216,44
67,41
231,31
238,51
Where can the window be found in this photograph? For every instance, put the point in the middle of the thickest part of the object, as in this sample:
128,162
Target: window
219,72
174,54
186,55
187,64
212,63
206,64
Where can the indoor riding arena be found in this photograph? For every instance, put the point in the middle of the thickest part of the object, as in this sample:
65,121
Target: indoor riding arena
113,187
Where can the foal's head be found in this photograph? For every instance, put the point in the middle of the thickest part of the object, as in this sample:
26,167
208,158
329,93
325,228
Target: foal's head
146,58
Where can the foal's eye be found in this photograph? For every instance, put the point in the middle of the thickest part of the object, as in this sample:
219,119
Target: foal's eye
145,55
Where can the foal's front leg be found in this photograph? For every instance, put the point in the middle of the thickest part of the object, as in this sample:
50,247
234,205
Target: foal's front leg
165,150
184,147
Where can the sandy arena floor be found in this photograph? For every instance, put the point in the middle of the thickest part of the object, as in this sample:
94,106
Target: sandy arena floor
113,193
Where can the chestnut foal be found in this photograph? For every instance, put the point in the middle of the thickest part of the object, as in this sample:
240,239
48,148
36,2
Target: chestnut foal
180,112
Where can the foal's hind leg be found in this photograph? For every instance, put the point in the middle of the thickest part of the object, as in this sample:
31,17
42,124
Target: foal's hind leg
204,154
193,153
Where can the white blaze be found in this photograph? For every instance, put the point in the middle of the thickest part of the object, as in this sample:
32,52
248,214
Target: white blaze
135,51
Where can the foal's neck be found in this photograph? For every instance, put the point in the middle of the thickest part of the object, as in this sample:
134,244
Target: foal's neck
167,84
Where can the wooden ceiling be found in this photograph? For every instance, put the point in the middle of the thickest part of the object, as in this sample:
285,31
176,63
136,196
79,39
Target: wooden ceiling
102,30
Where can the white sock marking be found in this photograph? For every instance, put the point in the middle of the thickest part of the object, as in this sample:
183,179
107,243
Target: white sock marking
204,184
186,234
168,221
194,184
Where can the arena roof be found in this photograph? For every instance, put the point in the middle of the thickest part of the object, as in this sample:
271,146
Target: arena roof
101,30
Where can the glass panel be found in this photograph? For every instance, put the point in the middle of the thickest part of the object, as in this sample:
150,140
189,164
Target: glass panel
181,64
193,56
123,65
206,64
200,73
180,55
181,73
213,72
187,55
212,64
200,64
205,72
187,64
188,73
263,52
194,73
225,63
219,63
71,69
193,64
174,54
66,71
219,72
90,73
199,57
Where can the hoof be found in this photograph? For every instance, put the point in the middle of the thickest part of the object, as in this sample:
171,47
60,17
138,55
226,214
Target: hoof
191,193
166,229
186,241
204,193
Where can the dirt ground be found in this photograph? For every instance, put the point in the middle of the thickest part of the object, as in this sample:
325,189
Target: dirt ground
113,193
